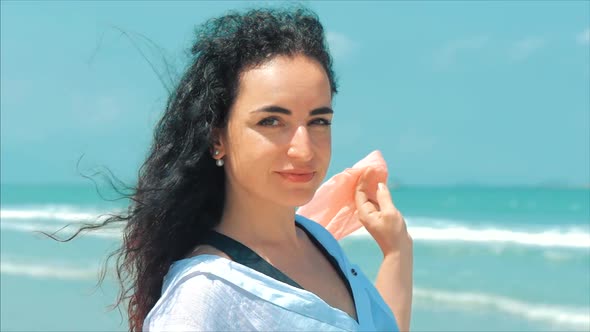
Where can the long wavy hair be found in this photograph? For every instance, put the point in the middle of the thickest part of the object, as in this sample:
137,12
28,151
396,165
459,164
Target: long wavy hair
180,193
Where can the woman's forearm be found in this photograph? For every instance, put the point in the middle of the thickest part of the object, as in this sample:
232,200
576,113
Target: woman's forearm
394,283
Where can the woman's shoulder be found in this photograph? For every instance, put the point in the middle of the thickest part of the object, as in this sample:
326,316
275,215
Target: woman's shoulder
194,301
207,292
195,293
193,265
206,302
205,249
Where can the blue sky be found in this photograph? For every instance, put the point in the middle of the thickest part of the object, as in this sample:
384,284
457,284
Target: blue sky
492,93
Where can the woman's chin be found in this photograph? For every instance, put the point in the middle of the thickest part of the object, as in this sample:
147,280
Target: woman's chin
298,199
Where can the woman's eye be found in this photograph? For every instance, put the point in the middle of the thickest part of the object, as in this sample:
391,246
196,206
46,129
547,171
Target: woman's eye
321,122
269,122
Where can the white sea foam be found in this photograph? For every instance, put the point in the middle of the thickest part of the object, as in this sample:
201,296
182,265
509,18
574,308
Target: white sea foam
557,256
420,228
57,213
29,227
457,232
577,318
51,218
47,270
491,235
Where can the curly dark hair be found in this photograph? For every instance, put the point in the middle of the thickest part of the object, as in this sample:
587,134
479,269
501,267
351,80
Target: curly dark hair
180,193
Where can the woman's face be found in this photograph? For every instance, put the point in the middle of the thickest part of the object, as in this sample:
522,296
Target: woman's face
277,143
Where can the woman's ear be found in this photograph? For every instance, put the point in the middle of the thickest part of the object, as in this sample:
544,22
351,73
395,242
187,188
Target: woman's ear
217,148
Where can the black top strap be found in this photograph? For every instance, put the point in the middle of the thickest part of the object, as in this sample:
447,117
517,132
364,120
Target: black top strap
241,254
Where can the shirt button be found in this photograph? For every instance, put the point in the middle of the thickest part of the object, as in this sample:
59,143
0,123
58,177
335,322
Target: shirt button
354,273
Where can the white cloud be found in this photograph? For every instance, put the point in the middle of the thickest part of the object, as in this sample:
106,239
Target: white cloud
340,45
524,48
449,53
583,38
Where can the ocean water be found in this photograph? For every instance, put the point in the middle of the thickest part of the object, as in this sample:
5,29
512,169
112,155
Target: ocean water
503,259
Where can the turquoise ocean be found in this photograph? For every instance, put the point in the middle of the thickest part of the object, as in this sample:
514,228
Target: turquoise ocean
485,259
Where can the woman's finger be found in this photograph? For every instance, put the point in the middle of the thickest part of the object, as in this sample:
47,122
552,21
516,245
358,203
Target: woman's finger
363,182
363,203
364,207
384,198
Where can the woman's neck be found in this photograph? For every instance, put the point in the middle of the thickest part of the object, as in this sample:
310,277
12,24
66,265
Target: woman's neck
257,223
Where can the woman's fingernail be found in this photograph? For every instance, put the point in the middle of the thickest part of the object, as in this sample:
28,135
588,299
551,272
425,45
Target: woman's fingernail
381,186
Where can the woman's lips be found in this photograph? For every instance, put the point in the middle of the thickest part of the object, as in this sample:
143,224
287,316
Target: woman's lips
297,177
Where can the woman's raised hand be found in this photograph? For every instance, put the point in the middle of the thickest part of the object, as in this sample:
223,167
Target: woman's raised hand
381,218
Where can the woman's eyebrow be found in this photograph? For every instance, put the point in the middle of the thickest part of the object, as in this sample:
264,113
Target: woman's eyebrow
321,110
281,110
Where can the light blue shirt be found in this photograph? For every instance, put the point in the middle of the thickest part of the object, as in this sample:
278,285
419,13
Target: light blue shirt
212,293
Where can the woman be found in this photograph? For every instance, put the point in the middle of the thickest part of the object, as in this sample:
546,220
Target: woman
212,241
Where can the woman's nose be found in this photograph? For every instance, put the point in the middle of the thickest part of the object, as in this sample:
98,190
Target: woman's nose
300,145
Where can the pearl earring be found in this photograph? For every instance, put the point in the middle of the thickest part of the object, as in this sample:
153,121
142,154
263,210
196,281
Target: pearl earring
219,162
